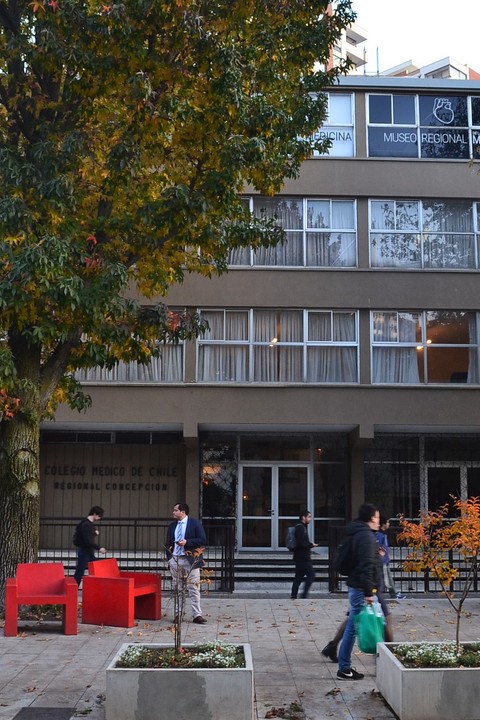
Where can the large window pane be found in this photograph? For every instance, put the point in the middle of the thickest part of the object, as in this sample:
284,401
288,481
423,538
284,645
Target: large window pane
331,249
449,251
332,365
335,246
380,109
343,215
395,250
447,216
443,234
432,347
404,109
287,253
339,109
318,214
288,211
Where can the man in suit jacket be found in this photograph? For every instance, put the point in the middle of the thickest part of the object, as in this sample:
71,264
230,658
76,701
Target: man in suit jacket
185,543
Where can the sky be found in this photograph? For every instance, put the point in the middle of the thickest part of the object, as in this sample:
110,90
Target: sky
420,30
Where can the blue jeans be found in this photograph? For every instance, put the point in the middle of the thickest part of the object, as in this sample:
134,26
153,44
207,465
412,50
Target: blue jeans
356,599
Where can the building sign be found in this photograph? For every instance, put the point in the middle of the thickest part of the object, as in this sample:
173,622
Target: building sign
440,129
126,480
341,139
338,127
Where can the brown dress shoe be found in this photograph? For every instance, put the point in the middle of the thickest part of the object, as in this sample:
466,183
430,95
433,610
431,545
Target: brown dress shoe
199,620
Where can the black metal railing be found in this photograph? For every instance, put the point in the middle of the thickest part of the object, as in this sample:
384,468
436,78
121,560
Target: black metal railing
405,582
139,545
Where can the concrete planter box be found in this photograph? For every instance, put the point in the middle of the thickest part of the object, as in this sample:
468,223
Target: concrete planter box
427,693
179,693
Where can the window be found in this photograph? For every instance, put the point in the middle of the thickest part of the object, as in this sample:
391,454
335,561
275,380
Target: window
279,346
424,234
432,346
320,233
338,127
425,126
168,368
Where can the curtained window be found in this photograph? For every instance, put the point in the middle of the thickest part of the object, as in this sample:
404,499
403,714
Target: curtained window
422,234
319,233
279,346
394,356
432,346
168,368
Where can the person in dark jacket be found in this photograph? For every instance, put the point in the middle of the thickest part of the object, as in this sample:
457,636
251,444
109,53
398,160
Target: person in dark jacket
301,556
330,649
88,544
363,582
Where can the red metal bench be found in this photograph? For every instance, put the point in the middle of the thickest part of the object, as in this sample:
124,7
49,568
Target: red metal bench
116,597
41,584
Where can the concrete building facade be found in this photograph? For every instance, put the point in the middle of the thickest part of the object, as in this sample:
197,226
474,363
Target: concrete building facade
341,366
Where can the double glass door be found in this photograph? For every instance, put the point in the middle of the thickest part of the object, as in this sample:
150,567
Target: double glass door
271,496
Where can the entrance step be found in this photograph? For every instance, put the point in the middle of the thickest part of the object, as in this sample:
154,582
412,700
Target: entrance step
276,570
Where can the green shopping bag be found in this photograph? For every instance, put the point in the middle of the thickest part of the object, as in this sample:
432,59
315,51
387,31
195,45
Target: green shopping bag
369,626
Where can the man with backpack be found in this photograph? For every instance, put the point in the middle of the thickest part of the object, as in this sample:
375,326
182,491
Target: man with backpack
86,540
363,581
301,556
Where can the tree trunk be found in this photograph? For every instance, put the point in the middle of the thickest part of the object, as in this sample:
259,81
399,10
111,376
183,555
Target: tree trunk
19,491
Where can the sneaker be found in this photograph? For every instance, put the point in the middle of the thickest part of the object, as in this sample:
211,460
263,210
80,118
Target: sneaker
399,596
330,651
351,674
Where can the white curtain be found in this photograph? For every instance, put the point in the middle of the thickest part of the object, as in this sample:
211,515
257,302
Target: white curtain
224,360
337,247
450,239
395,364
168,368
288,253
331,249
273,360
332,364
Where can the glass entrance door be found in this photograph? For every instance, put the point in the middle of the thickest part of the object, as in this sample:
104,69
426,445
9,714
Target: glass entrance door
270,498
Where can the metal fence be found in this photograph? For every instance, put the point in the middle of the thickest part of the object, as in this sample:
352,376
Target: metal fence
139,545
405,582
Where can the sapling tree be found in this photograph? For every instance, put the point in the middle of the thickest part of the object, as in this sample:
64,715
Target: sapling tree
437,545
181,578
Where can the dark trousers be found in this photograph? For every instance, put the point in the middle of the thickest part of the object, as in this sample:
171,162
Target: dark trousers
303,570
83,558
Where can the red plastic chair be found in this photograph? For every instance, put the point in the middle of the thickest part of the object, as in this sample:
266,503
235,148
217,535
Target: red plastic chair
116,597
41,584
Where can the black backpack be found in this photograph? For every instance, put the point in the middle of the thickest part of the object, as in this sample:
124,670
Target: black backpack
290,539
344,561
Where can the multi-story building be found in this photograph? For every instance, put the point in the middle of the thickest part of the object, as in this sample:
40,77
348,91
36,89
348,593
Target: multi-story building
443,69
350,46
340,366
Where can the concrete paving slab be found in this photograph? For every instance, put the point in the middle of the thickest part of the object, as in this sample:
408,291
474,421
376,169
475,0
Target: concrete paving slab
41,670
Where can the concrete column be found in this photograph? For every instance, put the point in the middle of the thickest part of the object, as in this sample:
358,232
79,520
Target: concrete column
360,439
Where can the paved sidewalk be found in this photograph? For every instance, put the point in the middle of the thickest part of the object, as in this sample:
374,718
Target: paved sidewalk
41,668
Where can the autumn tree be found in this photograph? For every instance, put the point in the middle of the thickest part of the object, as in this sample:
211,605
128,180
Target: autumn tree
438,545
128,131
